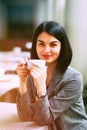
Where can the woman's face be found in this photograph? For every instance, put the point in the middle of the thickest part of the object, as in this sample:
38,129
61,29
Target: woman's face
48,47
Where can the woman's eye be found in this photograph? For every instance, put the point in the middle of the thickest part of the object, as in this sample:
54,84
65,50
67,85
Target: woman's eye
41,44
53,45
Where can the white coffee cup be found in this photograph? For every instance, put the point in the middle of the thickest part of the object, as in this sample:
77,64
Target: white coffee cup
38,62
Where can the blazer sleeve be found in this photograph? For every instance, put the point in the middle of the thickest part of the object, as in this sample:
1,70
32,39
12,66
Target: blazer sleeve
24,102
24,109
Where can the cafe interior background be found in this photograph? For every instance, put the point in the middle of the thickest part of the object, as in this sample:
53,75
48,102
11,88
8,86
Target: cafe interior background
19,18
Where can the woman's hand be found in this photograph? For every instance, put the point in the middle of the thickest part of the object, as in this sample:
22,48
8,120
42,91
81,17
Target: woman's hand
39,75
22,72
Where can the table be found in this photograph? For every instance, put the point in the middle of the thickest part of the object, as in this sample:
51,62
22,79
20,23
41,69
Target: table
9,60
9,119
10,56
7,82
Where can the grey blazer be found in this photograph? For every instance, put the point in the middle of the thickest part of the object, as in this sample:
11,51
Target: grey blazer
62,108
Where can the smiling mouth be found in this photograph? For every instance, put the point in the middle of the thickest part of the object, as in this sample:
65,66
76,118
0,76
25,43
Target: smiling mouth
46,56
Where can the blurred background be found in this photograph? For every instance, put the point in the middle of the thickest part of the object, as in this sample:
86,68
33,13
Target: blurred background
19,18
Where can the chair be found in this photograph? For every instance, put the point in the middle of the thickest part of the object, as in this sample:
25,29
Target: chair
9,96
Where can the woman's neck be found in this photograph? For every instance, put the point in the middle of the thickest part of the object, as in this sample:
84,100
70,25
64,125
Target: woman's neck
51,67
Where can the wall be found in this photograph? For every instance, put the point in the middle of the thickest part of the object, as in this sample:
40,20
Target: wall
76,26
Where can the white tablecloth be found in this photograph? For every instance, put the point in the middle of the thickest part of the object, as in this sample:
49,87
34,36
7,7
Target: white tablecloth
9,119
9,60
8,82
8,113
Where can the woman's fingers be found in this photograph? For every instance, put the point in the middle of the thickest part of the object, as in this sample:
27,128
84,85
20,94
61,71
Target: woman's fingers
22,69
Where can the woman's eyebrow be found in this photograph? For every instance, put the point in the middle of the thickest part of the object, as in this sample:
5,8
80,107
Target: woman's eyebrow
50,42
54,41
40,41
43,41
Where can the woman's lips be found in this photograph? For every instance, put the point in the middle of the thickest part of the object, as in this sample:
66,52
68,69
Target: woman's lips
46,56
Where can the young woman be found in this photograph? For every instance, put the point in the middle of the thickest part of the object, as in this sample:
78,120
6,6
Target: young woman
51,95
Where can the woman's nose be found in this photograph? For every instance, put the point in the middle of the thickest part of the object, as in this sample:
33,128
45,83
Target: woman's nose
47,49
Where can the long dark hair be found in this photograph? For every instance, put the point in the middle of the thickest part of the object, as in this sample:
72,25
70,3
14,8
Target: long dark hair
59,33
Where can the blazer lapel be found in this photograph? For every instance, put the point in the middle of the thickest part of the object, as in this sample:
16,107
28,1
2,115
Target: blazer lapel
53,84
